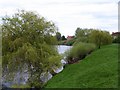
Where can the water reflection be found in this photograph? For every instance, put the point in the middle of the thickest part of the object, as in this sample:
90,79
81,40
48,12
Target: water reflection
63,48
22,77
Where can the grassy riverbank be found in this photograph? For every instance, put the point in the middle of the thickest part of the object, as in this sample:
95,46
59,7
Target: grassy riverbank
97,70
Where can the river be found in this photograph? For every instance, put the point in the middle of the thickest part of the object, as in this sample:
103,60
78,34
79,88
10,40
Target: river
47,75
17,79
63,48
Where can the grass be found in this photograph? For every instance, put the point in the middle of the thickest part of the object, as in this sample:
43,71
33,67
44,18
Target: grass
20,86
97,70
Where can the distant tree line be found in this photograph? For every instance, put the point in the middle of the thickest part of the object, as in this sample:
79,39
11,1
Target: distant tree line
96,36
59,37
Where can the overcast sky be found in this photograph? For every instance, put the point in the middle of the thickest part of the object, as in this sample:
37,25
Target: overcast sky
69,14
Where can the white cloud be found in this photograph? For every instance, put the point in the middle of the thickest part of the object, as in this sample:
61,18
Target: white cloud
69,14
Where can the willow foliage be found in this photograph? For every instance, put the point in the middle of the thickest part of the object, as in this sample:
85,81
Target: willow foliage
27,39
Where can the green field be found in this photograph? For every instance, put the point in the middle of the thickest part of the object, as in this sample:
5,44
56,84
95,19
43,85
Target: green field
97,70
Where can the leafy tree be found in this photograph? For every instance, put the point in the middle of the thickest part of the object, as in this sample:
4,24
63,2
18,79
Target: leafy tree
92,35
82,34
100,37
63,37
28,41
58,36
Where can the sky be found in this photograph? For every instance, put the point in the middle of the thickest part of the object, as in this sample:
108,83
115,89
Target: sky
69,14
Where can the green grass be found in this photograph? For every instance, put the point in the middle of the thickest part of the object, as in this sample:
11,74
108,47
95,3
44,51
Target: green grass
98,70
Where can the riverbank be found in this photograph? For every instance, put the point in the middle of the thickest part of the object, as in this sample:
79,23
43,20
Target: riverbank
98,70
21,77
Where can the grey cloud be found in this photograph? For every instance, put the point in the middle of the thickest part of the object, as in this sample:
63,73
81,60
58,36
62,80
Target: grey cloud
70,14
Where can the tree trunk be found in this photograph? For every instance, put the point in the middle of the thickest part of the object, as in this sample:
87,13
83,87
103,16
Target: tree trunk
99,47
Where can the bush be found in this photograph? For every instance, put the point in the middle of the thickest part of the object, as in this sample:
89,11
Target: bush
79,51
62,42
70,42
116,40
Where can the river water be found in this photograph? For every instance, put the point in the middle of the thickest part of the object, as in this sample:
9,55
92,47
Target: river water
46,75
43,77
63,48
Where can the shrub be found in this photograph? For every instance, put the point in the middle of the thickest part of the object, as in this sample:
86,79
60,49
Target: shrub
70,42
79,51
62,42
116,40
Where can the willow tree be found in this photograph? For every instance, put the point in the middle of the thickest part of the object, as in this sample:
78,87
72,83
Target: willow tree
27,40
100,37
82,35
